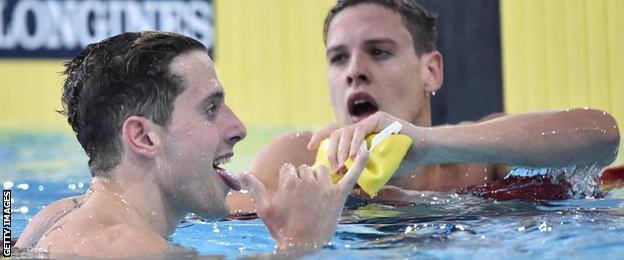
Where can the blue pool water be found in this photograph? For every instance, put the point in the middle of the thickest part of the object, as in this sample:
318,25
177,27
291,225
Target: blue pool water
44,167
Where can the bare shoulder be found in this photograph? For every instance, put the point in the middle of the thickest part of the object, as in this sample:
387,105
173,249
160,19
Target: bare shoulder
119,240
291,147
45,219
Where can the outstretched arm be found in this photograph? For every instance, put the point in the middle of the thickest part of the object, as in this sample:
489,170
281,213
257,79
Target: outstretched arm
543,139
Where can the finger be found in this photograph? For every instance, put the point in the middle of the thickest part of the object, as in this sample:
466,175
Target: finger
350,179
343,145
257,189
306,174
332,149
319,136
287,175
322,176
358,137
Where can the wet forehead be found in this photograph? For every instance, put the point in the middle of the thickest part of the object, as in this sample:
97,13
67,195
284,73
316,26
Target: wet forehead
365,22
197,71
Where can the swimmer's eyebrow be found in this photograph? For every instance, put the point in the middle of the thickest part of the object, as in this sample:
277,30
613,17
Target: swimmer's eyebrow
377,41
367,43
335,49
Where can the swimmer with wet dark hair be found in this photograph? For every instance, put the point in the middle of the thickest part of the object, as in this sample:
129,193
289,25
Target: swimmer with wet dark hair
383,67
150,113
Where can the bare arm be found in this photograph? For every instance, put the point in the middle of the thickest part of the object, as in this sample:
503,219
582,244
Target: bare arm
544,139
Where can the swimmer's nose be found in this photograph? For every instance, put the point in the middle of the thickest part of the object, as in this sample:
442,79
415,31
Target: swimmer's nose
236,131
357,73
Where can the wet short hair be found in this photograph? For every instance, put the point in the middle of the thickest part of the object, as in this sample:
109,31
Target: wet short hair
124,75
419,22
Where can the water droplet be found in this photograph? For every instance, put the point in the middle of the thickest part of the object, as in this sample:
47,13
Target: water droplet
80,185
23,186
7,185
71,186
153,213
433,93
521,229
408,229
544,227
40,188
23,209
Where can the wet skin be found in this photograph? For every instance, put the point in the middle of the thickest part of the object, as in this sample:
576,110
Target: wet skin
375,78
169,171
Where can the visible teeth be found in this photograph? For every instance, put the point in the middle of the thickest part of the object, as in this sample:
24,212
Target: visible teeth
361,101
221,161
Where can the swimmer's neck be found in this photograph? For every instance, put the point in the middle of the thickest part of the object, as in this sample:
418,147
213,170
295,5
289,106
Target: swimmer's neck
139,197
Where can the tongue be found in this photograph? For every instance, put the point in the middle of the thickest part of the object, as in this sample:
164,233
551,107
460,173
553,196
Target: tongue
228,178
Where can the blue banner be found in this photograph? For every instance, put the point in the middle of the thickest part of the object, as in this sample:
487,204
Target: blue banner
61,28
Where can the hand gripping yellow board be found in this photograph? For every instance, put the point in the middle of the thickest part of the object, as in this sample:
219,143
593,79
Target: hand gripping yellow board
387,149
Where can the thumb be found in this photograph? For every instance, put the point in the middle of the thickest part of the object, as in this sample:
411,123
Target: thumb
257,189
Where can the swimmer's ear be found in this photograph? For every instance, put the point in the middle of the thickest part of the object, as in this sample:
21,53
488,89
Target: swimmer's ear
432,71
141,136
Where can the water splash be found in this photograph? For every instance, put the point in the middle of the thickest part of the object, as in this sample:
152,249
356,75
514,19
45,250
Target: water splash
583,179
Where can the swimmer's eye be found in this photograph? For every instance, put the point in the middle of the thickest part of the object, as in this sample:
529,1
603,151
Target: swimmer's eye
379,53
338,58
212,109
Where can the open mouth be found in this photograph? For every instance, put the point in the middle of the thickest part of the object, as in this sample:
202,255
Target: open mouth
224,174
361,105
